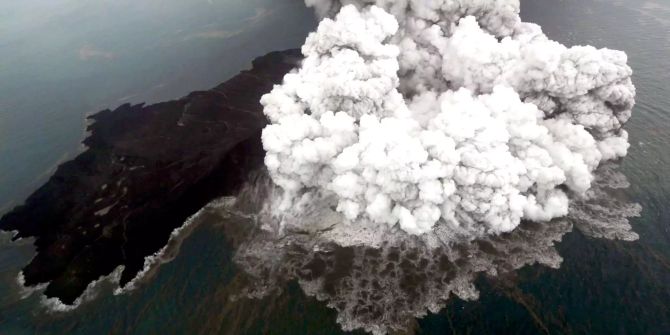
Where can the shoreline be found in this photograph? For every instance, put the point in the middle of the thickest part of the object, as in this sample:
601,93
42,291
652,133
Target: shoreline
144,172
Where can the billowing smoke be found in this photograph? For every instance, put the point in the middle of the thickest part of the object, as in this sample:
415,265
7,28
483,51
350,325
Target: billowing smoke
449,115
383,288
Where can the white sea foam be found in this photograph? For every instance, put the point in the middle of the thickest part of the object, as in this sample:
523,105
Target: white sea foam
92,291
170,250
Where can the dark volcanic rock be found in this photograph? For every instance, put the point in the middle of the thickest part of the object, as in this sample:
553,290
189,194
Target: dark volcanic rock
146,170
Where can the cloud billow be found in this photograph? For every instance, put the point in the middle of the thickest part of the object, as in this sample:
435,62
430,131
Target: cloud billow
450,115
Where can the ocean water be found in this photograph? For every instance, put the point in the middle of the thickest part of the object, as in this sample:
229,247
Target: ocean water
602,286
65,59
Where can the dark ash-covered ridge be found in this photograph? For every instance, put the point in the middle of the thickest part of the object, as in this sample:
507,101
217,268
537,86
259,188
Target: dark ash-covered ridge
146,170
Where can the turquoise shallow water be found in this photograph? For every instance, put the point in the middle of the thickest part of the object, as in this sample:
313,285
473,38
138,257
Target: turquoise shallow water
602,286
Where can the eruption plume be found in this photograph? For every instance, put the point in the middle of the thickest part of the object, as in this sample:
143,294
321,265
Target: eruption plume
443,115
422,143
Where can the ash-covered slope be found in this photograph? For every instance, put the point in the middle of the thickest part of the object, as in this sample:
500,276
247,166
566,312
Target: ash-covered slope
146,169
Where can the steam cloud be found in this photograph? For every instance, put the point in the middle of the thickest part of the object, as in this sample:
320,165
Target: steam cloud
449,115
383,288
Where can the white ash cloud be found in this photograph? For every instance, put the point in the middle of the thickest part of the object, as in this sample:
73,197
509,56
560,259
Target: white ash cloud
452,113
